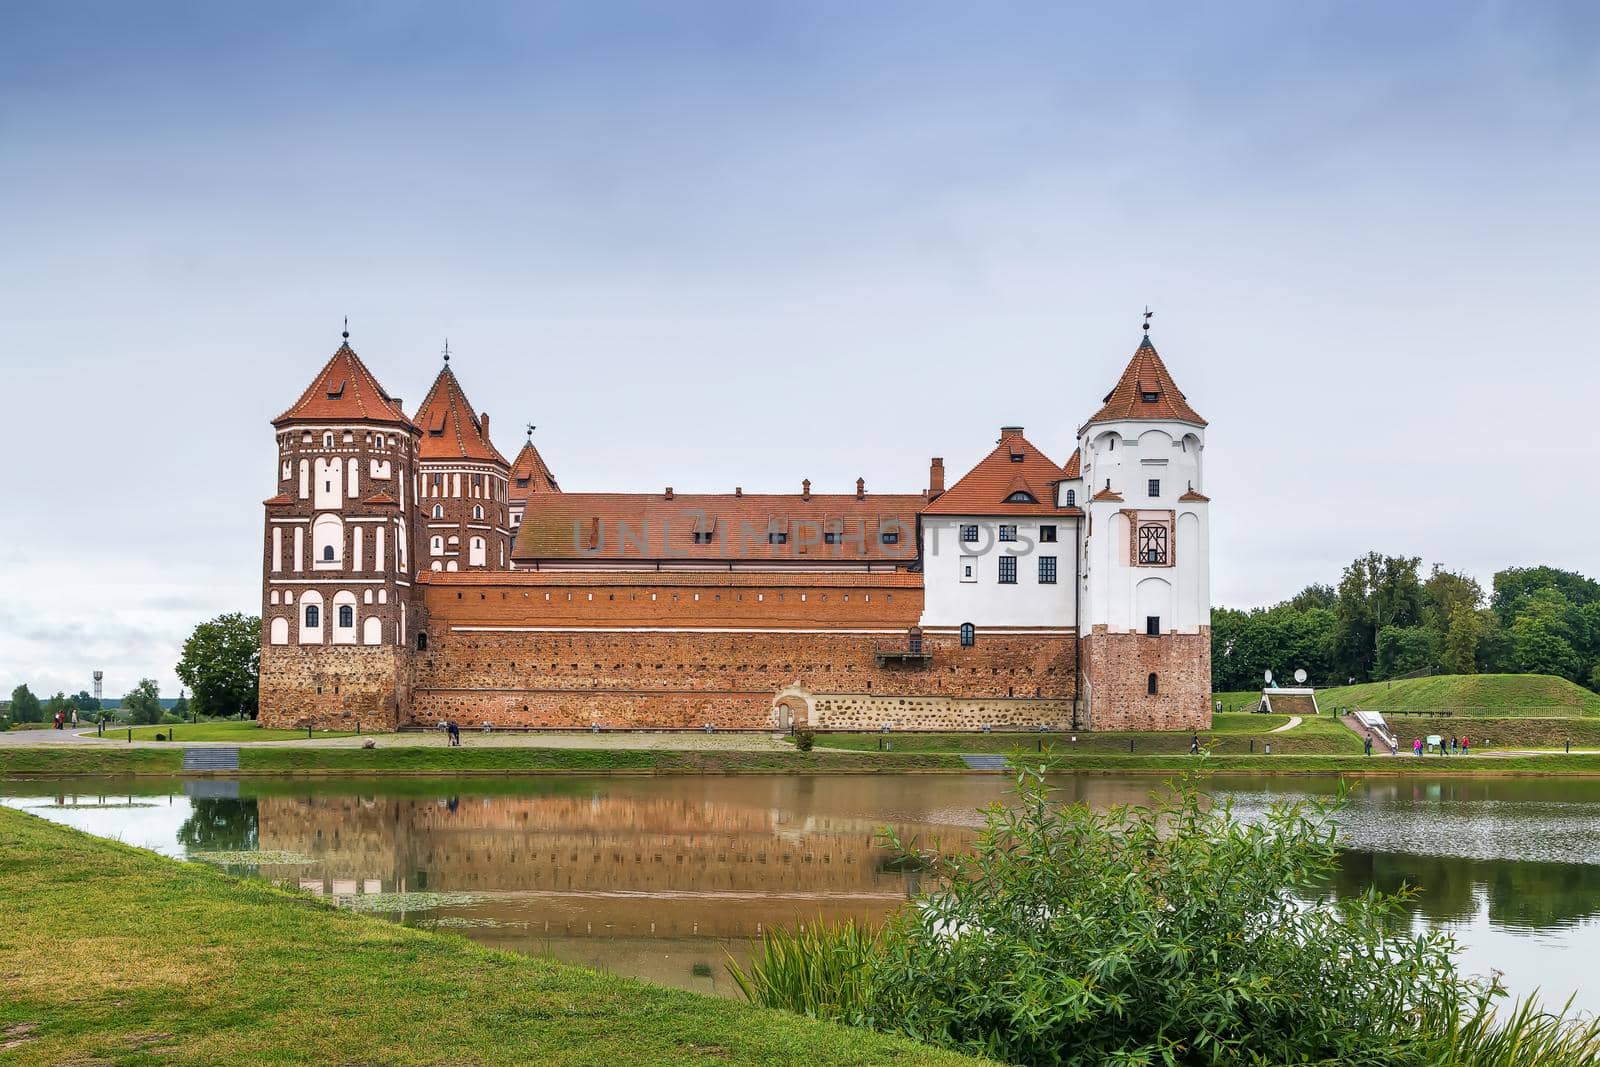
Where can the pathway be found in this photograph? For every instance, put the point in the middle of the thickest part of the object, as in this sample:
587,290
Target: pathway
1294,720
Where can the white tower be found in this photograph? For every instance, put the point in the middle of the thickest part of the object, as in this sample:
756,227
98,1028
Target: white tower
1146,617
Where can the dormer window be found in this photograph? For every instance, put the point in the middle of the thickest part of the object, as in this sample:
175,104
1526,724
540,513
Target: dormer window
1149,398
522,483
335,388
1016,457
1021,497
1072,498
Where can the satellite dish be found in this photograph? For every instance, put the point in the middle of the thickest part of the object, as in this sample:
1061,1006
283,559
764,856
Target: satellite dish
1268,677
1300,676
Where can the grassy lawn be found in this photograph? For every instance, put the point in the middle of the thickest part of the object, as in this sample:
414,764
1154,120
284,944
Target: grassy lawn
168,962
1496,695
1241,733
215,731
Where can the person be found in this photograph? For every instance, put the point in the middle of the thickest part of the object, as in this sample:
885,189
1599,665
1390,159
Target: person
1416,747
1194,744
74,718
454,732
1466,746
1367,743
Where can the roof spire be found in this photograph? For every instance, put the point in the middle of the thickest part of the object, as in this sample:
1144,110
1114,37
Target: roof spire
347,327
447,351
531,428
1147,315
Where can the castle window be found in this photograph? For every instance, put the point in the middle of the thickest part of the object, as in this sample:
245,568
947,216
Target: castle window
327,553
1153,544
1047,534
1008,533
969,534
1152,625
438,511
1154,487
969,635
313,616
437,545
327,440
1150,685
1008,570
1072,498
422,641
1021,497
347,616
1047,570
477,511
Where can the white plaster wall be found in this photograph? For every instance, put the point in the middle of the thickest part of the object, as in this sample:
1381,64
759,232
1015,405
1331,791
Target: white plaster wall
950,601
280,631
326,488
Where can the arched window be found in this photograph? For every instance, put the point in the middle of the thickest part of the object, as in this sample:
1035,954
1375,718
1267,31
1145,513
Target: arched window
1150,685
327,440
477,511
438,511
1072,498
437,544
327,553
313,615
422,641
347,616
969,635
1021,496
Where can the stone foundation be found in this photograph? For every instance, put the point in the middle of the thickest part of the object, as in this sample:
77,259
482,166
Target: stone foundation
1117,668
857,711
335,687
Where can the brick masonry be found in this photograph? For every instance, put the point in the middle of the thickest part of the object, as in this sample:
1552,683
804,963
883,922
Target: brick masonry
335,687
1117,669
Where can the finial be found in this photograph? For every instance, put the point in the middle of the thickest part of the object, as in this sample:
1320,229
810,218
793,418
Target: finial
531,428
447,351
1147,314
347,327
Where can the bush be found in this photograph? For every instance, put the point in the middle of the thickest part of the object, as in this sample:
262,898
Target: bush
1164,934
805,738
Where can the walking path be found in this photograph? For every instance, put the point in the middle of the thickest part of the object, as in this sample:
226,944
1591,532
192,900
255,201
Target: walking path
1294,720
685,741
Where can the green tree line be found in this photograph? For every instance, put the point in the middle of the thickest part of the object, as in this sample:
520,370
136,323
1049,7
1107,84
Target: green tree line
1386,619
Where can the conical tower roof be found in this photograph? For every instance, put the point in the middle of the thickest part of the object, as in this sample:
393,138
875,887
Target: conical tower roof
1146,391
451,429
529,475
345,391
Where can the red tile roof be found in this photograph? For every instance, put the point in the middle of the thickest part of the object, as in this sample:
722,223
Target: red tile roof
1194,497
985,488
279,500
529,475
345,391
380,497
1146,376
1074,467
451,428
1107,494
711,578
611,526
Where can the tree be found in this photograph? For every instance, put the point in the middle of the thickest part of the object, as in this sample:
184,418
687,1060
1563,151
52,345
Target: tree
180,707
1460,654
221,665
1443,592
1406,650
85,702
143,702
1375,591
58,705
25,707
1315,595
1539,647
1514,584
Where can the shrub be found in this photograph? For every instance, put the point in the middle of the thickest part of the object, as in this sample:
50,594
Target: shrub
1164,934
805,738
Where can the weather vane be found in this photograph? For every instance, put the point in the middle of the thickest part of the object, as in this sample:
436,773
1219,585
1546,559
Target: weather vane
531,428
1147,314
447,350
347,327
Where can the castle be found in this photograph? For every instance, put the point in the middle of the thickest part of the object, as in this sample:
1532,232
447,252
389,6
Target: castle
410,574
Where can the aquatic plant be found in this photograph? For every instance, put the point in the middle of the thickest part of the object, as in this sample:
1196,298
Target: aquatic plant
821,971
404,901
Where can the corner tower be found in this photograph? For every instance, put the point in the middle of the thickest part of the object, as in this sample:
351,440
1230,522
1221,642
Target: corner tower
529,477
1146,622
464,489
338,616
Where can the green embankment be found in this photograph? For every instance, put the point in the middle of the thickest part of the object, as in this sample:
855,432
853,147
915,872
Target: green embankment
214,731
1519,731
1493,695
1229,733
116,955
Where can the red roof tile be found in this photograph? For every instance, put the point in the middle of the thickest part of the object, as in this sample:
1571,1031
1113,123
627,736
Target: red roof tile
1074,467
1195,498
564,526
711,578
1146,377
985,488
529,475
279,500
1107,494
380,497
451,428
345,391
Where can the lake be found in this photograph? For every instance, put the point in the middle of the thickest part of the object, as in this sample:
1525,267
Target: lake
663,877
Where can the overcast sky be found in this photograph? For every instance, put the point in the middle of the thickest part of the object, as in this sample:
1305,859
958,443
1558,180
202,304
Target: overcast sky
710,245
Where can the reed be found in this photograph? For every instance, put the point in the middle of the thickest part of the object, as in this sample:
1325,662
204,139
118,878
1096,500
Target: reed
821,970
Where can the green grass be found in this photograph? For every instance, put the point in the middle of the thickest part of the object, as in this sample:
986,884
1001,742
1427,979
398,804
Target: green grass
221,730
168,962
1498,695
1230,733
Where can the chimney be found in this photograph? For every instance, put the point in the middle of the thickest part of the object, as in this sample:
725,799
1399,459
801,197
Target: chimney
738,491
483,425
805,489
1010,431
935,477
861,488
669,492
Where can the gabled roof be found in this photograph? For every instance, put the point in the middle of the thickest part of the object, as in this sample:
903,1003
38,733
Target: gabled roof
1146,391
985,489
451,428
380,497
1074,467
732,527
529,475
1193,497
345,391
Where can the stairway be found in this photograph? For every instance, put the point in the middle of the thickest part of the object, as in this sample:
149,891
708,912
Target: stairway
211,758
985,762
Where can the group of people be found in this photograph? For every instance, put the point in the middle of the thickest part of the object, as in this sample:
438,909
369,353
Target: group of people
1461,745
62,720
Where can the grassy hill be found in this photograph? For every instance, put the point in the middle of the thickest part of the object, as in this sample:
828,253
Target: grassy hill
1540,695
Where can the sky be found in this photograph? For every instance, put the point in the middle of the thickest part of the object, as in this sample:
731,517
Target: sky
717,244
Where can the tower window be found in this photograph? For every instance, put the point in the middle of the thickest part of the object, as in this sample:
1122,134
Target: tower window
347,616
1150,685
438,511
313,616
422,641
1047,570
1008,533
1016,457
327,440
1008,570
327,553
1154,487
1153,544
1047,534
1148,397
969,534
477,511
1152,626
969,635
